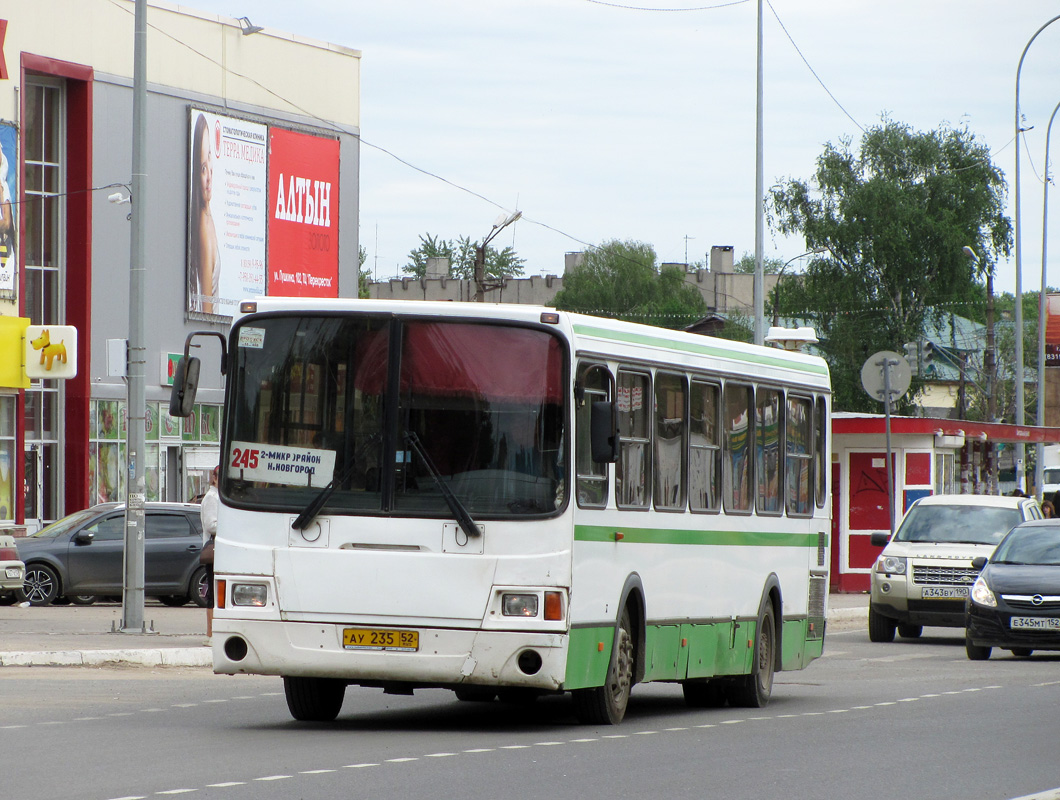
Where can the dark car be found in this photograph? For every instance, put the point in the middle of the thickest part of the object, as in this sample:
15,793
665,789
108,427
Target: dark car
80,556
1015,602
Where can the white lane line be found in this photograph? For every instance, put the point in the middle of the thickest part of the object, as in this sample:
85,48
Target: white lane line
481,750
515,747
225,785
400,760
316,771
1048,794
359,766
439,755
178,791
274,778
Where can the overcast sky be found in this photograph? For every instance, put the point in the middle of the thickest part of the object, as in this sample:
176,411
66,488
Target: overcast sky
600,121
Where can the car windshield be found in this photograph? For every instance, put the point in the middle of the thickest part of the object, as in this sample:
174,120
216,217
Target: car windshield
1031,545
65,524
957,523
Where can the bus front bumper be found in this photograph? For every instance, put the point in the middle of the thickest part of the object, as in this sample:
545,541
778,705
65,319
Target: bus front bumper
445,657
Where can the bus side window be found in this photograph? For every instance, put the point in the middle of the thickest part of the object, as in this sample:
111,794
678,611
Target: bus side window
769,418
633,472
671,436
704,447
594,385
739,424
798,450
821,457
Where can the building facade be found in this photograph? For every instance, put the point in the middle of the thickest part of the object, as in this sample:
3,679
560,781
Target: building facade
251,188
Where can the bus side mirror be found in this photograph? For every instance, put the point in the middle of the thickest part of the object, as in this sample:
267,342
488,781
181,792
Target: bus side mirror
602,434
185,385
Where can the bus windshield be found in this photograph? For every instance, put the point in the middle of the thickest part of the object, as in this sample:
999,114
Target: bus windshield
334,398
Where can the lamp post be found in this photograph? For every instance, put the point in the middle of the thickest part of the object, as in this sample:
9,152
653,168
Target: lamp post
1039,448
1020,447
500,224
780,274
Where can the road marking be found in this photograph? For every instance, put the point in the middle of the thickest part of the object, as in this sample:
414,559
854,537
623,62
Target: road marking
225,785
400,760
178,791
1048,794
274,778
316,771
439,755
359,766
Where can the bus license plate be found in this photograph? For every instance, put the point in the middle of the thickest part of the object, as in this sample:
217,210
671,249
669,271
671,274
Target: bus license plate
379,639
1036,623
944,591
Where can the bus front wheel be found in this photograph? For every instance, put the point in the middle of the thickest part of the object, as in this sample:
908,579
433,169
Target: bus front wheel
314,699
606,705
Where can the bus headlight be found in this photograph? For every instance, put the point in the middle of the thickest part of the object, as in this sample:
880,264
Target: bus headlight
250,594
519,605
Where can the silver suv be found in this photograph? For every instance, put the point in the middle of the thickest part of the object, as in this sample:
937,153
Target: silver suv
924,573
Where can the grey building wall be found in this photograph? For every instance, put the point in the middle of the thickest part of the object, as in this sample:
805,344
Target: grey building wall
167,323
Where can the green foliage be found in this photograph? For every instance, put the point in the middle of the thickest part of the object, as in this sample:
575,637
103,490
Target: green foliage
503,263
894,215
364,276
621,280
746,265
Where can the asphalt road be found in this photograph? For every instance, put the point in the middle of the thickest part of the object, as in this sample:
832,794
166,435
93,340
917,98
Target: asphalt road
912,719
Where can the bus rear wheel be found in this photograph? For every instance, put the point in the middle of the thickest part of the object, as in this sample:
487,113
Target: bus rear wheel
314,699
606,705
754,690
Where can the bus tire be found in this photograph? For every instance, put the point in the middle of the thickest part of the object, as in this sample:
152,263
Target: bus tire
606,705
314,699
753,691
704,693
881,628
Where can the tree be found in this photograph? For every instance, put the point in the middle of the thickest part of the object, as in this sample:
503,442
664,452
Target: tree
503,263
364,276
621,280
894,216
770,266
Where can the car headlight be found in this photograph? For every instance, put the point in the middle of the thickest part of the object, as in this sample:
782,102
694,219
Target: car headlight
981,594
892,565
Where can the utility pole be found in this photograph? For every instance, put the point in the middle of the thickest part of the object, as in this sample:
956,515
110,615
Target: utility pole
132,604
502,222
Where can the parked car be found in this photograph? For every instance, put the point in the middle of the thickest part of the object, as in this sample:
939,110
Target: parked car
1015,602
81,556
923,575
12,570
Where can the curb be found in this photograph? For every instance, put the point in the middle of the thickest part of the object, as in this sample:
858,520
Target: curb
164,657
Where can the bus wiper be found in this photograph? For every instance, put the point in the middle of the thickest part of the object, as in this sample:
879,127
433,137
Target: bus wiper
467,524
301,522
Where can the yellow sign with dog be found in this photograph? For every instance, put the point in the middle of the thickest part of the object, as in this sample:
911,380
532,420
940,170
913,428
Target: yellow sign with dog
51,351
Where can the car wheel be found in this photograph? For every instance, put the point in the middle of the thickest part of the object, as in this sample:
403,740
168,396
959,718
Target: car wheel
199,587
881,628
910,631
41,586
754,690
606,705
1022,652
975,652
173,600
82,599
314,699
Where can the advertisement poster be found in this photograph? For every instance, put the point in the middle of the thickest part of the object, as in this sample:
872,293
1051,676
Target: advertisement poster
8,209
227,214
1052,330
304,215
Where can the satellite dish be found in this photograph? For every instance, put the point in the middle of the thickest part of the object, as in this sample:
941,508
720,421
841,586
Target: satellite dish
872,377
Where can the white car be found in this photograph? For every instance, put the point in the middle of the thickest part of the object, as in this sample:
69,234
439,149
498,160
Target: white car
923,575
12,570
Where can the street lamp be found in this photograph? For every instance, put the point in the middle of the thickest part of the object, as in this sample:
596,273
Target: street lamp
1020,448
990,356
499,224
780,274
1039,449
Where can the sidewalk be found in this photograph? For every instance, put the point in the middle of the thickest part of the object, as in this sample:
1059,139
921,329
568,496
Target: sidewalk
63,636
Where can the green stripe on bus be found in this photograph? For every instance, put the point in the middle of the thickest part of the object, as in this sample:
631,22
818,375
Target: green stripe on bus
701,349
606,533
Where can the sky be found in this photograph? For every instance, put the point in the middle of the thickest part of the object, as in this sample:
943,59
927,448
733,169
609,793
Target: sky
601,120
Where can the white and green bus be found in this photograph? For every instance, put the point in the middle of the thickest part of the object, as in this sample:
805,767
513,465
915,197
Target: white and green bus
508,501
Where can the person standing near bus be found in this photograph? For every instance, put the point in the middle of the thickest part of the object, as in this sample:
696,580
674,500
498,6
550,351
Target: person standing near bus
208,515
